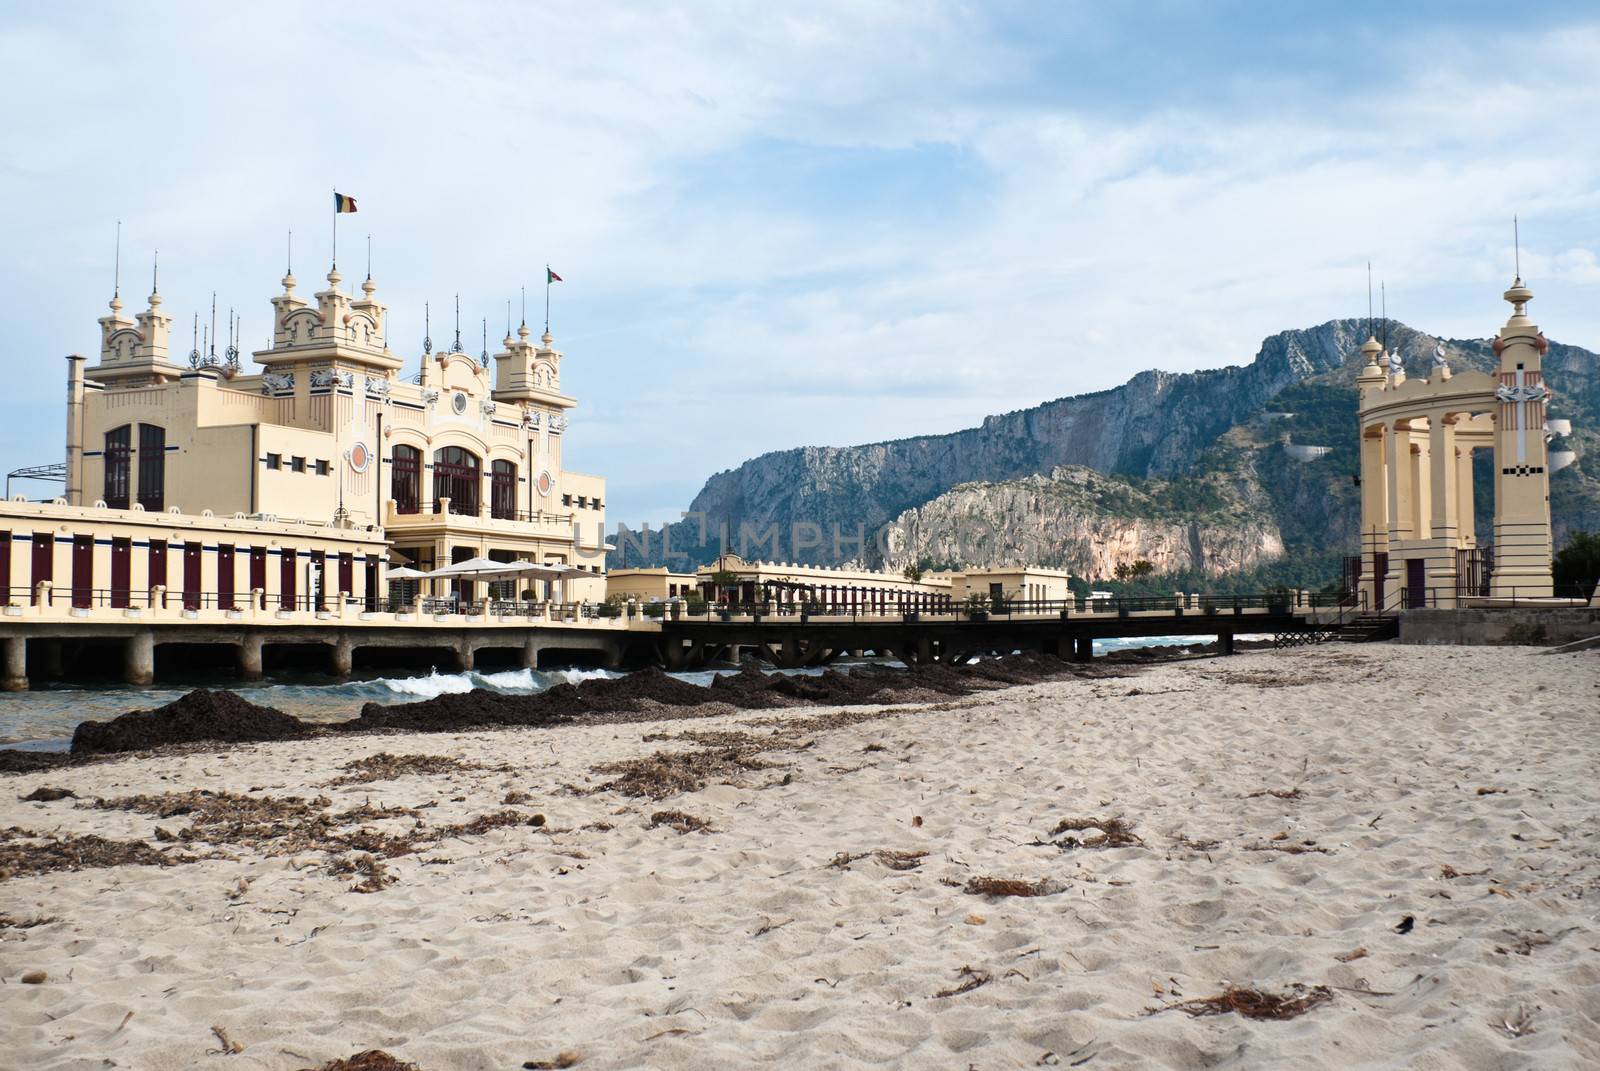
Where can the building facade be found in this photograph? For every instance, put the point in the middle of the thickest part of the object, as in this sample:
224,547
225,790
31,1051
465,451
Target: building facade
329,438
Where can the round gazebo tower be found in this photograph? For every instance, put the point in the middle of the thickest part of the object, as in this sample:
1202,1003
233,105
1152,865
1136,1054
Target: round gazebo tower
1522,536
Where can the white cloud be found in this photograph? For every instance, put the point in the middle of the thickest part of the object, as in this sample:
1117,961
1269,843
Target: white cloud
1079,244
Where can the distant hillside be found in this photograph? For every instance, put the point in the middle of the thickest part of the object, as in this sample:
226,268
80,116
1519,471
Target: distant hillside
1225,427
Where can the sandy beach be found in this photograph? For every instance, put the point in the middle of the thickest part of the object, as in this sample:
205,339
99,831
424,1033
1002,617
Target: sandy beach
816,903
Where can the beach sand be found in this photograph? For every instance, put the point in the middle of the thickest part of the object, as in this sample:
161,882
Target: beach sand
1291,808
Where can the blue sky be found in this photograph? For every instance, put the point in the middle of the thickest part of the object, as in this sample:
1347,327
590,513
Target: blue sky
837,225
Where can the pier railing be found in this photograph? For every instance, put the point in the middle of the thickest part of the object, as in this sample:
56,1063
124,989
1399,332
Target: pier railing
45,601
912,609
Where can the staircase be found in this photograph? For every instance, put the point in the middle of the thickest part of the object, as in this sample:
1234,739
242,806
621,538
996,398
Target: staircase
1370,628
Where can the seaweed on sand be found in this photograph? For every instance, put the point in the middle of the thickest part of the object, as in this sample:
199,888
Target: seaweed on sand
1256,1003
987,886
891,859
199,715
1113,832
680,821
971,979
667,773
23,853
370,1060
386,767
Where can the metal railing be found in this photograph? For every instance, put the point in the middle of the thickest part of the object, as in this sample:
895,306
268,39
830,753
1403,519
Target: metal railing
1007,608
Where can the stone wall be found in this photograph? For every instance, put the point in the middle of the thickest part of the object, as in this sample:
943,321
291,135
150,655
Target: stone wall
1500,626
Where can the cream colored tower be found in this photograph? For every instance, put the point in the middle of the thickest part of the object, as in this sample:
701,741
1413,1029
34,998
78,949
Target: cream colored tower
1522,536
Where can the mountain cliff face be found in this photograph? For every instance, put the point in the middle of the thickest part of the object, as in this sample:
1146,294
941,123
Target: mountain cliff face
1089,523
825,505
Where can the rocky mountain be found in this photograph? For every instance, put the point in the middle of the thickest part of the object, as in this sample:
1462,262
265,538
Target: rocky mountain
890,501
1086,522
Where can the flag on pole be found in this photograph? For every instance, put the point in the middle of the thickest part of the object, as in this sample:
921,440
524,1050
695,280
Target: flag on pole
342,203
550,276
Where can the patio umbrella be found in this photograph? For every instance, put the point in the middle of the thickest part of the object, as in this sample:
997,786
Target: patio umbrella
480,569
405,572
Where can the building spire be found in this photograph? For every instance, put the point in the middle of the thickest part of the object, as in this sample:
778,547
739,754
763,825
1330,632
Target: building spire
1516,246
427,327
484,356
155,273
457,347
116,266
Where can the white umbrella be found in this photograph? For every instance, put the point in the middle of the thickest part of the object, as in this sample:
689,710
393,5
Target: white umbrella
479,569
405,572
557,571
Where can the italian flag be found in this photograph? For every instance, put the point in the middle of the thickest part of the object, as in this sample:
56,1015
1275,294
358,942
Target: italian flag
551,277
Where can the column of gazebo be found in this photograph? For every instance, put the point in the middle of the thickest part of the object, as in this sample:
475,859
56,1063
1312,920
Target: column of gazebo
1444,517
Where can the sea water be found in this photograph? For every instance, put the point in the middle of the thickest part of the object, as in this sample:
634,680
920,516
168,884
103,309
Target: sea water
45,717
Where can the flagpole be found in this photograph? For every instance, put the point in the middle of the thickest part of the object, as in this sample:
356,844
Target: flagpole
336,228
547,299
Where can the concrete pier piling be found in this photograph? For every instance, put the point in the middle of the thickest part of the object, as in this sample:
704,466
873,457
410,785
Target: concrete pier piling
16,664
139,658
250,668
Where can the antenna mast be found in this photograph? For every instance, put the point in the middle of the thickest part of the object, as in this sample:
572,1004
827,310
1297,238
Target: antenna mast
1516,244
116,265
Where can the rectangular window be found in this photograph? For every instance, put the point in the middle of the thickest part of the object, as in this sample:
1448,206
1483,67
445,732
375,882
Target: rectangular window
152,467
566,500
274,461
322,467
118,463
347,574
298,464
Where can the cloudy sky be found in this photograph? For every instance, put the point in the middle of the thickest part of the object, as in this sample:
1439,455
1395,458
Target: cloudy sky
854,222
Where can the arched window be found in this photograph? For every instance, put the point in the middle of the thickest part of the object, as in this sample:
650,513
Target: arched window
118,462
152,467
456,477
405,479
503,491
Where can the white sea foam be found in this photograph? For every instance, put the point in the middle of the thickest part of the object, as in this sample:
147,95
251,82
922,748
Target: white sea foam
435,683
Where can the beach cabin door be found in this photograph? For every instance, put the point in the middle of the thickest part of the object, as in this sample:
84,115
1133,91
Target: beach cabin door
44,554
191,576
1416,584
82,571
1380,570
121,571
286,561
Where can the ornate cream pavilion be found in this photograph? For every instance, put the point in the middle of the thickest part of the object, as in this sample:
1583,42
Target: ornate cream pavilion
1418,544
313,476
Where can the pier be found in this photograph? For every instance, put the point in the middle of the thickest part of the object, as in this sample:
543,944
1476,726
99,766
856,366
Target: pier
44,635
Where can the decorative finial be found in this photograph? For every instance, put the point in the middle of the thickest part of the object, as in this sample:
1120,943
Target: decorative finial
427,339
456,347
484,356
230,356
116,265
369,257
211,346
194,352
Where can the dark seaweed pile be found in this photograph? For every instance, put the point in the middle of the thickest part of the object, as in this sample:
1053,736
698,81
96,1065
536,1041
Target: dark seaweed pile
223,717
200,715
